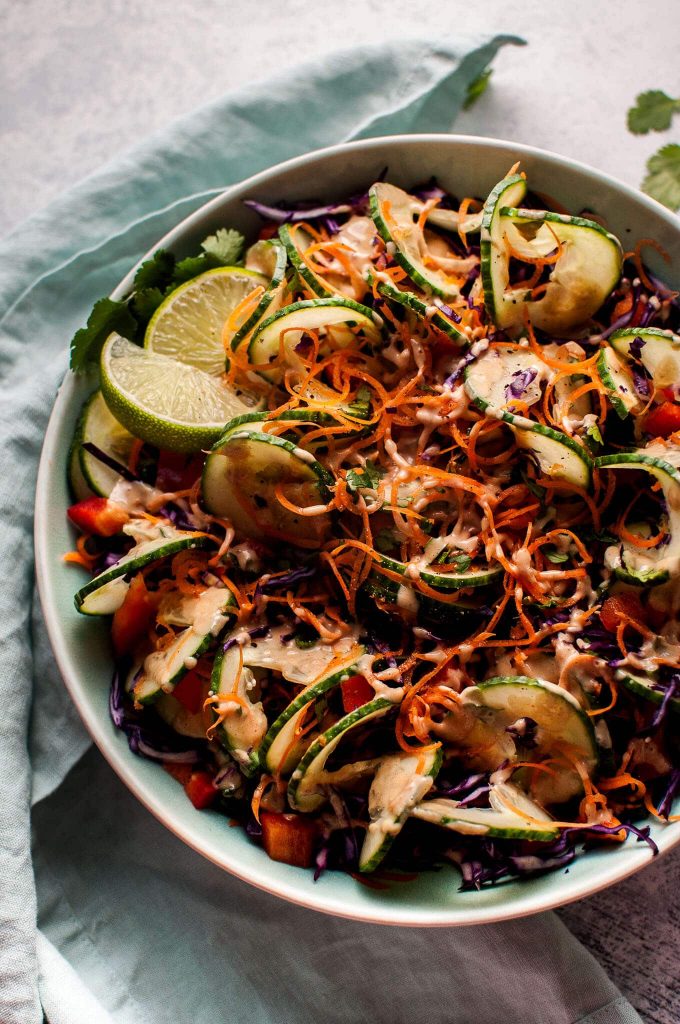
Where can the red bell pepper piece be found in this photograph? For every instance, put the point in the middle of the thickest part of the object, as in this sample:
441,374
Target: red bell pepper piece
268,231
200,790
98,515
189,691
356,691
618,606
181,772
288,838
132,620
664,420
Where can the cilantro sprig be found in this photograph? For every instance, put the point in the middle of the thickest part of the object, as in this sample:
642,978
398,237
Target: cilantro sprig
653,111
154,280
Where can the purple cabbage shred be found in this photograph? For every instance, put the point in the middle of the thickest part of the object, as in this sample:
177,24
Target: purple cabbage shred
291,214
304,572
156,744
521,379
109,461
459,370
447,311
672,790
668,696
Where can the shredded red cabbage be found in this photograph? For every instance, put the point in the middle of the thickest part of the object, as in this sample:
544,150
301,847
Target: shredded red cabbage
672,790
521,379
152,741
109,461
290,214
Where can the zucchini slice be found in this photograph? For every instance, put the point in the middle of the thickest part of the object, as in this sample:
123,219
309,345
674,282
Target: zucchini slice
618,380
102,429
430,313
244,722
305,789
332,317
400,782
104,594
179,718
497,821
489,384
241,476
268,258
450,220
481,577
279,752
647,688
560,720
501,374
587,269
649,566
296,241
162,670
559,455
493,250
395,214
657,350
78,485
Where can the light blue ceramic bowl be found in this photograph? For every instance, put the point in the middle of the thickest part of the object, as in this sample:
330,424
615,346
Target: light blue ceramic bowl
466,166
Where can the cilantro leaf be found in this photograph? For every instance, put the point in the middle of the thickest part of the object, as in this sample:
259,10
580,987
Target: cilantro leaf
155,279
594,432
456,559
192,266
476,87
361,406
368,477
555,556
226,245
536,489
145,302
106,316
652,112
385,540
663,180
156,272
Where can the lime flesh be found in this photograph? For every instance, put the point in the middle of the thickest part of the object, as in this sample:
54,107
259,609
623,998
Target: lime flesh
189,323
163,401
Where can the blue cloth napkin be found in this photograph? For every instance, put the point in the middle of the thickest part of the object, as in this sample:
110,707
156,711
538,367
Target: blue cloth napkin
135,927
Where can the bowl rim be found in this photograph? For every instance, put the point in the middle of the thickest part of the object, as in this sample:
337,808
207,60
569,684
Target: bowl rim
120,759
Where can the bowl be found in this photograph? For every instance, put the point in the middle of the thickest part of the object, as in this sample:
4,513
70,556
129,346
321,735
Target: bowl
466,166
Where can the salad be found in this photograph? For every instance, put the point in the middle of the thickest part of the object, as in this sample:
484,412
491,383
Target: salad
385,514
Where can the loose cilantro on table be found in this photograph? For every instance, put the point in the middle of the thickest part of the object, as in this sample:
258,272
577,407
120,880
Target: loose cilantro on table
477,87
663,179
652,112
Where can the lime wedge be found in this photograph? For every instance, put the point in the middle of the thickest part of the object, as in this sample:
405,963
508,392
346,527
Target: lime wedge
162,401
188,324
